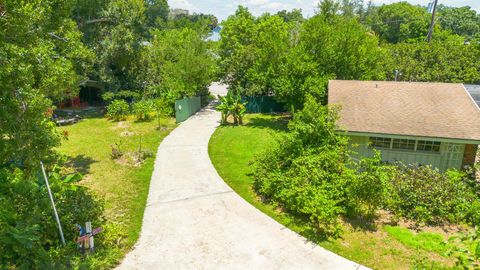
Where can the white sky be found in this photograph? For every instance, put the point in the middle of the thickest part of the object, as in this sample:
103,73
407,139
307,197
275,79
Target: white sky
222,8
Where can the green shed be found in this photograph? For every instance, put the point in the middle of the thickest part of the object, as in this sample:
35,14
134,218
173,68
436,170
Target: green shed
434,124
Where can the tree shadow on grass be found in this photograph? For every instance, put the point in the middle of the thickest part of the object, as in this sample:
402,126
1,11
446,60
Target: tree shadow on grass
80,163
276,124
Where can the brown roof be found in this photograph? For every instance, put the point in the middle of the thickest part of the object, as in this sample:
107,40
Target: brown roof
441,110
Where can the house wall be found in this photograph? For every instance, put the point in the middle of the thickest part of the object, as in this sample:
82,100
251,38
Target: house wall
450,156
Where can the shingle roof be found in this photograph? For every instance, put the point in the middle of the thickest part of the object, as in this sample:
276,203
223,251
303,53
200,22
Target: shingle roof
440,110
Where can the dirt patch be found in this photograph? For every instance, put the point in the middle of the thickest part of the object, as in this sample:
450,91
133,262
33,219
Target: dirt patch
387,218
126,134
130,159
121,125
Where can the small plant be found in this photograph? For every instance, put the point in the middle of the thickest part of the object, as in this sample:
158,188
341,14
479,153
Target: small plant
118,110
232,105
162,109
465,247
116,150
142,109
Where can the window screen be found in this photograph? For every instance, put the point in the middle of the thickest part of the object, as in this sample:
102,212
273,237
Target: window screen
380,142
428,146
403,144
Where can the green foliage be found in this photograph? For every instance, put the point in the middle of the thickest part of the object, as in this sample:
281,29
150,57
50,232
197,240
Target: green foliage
232,105
118,110
400,22
292,59
177,64
465,247
427,196
448,60
29,235
462,21
42,59
368,190
142,109
309,172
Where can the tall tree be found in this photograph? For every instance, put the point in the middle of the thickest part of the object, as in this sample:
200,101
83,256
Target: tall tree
178,63
462,21
446,60
236,49
399,22
41,59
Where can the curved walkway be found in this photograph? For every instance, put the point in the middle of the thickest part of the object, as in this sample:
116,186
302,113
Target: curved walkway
193,220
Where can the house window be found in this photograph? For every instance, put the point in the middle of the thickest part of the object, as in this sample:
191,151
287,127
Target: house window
380,142
403,144
428,146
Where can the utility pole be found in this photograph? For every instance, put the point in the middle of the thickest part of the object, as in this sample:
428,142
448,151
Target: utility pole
432,23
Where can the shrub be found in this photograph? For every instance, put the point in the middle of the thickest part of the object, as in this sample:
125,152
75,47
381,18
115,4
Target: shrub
232,105
427,196
465,248
162,109
368,189
142,109
118,110
29,237
309,170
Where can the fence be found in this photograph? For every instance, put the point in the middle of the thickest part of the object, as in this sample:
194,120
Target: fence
263,104
186,107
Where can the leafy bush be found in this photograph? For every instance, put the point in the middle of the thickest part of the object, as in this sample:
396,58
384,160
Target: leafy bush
425,195
118,110
368,189
142,109
29,237
310,173
465,247
232,105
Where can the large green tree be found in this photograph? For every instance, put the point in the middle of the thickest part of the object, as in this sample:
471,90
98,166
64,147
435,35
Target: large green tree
41,59
177,63
442,60
461,21
399,22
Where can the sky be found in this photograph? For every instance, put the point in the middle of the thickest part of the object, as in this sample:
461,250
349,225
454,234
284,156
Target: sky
223,8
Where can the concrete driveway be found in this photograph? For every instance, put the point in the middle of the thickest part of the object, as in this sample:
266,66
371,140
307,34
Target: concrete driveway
193,220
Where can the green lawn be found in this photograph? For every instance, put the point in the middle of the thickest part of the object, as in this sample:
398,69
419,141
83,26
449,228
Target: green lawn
122,185
233,148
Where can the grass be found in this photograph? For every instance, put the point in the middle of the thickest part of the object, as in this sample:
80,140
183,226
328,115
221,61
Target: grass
232,149
123,186
422,240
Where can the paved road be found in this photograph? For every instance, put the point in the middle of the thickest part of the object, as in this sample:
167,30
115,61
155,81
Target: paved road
193,220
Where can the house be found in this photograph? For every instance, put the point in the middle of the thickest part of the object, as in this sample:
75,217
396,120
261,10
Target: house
434,124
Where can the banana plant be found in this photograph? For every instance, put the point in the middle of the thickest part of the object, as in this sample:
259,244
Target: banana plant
232,105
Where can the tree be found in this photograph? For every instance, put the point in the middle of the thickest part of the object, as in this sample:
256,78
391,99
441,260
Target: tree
42,60
236,49
177,64
399,22
462,21
442,60
295,15
342,48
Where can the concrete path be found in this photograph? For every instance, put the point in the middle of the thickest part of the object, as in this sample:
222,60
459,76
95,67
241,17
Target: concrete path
193,220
